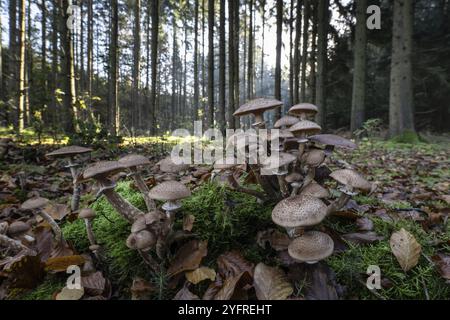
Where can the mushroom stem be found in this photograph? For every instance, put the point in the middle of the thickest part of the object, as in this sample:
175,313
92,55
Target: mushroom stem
13,245
339,203
309,177
151,205
295,189
283,185
236,186
262,181
55,227
75,202
123,207
90,233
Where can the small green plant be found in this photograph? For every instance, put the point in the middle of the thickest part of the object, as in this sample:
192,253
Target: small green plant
407,137
371,128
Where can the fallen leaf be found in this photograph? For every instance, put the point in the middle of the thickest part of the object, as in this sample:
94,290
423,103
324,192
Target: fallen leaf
188,257
231,284
60,264
406,249
200,274
94,284
185,294
233,263
445,198
57,211
188,222
364,224
442,262
141,289
322,283
362,237
70,294
271,283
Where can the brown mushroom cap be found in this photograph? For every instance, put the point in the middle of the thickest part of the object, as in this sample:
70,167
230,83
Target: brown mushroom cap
169,191
311,247
226,164
299,211
103,169
284,158
286,121
351,178
293,177
18,227
139,224
142,240
133,160
303,108
168,166
280,134
86,213
34,203
305,127
333,140
68,151
314,158
315,190
257,106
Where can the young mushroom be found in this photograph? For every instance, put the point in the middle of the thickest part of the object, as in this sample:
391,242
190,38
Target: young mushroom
132,162
299,212
101,172
311,247
312,159
87,214
70,152
302,130
257,107
285,122
37,205
315,190
331,141
171,192
279,167
166,165
303,110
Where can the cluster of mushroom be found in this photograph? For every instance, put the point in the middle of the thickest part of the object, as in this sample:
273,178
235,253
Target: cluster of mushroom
303,202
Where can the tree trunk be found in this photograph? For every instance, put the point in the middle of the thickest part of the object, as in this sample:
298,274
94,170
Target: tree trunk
2,92
136,116
231,66
322,33
250,67
147,67
291,58
155,34
401,116
196,82
222,62
90,47
298,32
173,103
21,66
313,57
12,68
306,13
278,56
359,69
263,17
53,77
211,63
114,68
236,20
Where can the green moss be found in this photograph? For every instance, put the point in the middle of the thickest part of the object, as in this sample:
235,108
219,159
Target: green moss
46,289
351,266
408,137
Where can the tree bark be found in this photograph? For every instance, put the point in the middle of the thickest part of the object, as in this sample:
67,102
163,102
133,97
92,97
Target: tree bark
196,82
222,67
21,66
231,65
322,33
210,63
53,78
291,57
237,96
306,14
297,57
136,109
113,89
12,83
277,94
155,35
90,47
359,69
401,117
250,68
263,17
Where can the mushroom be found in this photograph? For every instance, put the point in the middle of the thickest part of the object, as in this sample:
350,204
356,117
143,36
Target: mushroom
286,121
294,180
88,215
312,159
315,190
331,141
143,240
351,182
70,152
171,192
166,165
301,130
101,171
299,212
4,227
311,247
17,228
37,205
132,162
281,162
257,107
303,110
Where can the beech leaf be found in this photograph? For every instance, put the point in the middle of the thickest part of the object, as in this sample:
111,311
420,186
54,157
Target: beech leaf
406,249
271,283
200,274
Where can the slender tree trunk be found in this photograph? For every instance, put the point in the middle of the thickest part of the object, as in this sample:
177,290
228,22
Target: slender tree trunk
21,66
53,80
291,59
222,62
306,13
359,69
2,92
136,110
401,109
90,47
12,61
211,63
322,32
44,47
297,57
29,68
173,103
155,35
313,56
114,68
231,65
203,66
196,80
147,67
277,94
250,67
263,17
236,59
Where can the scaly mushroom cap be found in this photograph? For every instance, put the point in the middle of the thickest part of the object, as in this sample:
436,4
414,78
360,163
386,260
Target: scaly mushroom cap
138,224
133,160
303,108
168,166
68,151
283,159
153,216
286,121
315,190
18,227
333,140
169,191
103,169
86,213
299,211
34,203
305,127
314,158
226,164
142,240
257,106
311,247
352,179
293,177
280,134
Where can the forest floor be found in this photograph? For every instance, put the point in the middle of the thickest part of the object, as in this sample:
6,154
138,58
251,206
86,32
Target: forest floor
233,232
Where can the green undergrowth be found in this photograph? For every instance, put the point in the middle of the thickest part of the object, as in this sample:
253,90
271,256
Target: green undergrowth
46,289
421,282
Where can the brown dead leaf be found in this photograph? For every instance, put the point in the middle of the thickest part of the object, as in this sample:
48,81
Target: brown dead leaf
188,257
445,198
200,274
271,283
188,222
442,262
57,211
185,294
277,240
94,284
233,263
406,249
362,237
364,224
60,264
233,285
141,289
